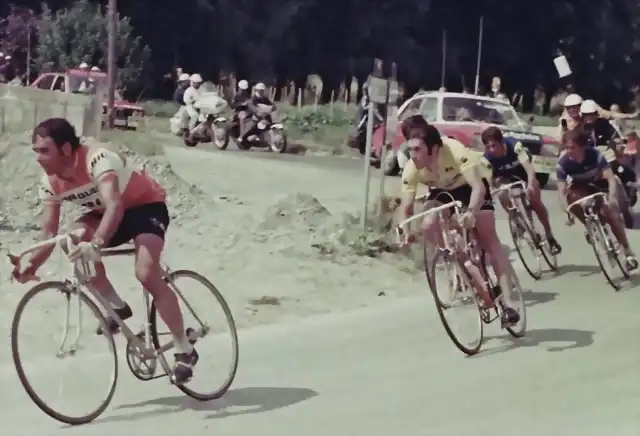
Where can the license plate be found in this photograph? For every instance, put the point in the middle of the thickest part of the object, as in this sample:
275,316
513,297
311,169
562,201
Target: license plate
543,164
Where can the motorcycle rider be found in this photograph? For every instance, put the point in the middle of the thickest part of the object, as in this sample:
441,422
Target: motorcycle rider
191,96
182,85
606,138
259,97
571,117
242,95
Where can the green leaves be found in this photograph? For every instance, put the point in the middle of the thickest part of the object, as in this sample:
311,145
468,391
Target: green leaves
68,37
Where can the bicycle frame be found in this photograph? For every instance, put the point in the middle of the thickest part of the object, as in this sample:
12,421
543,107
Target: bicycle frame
588,204
82,272
455,243
515,191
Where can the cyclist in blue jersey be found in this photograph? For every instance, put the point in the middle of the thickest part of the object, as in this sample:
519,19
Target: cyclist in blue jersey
510,162
582,171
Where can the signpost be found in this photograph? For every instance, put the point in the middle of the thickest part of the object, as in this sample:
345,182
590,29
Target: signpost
391,88
379,89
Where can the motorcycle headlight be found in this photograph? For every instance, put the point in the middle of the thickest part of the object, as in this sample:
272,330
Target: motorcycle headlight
550,150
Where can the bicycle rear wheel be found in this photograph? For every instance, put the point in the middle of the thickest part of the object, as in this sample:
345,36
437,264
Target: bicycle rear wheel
459,298
15,351
600,244
524,239
203,329
517,299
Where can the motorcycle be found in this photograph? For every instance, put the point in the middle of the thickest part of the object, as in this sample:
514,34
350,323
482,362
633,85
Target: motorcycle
619,154
263,134
209,106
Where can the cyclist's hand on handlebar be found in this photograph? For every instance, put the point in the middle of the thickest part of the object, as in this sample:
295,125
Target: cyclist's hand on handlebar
85,250
21,275
467,220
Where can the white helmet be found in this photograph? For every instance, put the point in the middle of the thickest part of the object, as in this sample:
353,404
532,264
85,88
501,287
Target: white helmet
243,84
83,65
184,77
95,69
588,107
196,78
572,100
260,86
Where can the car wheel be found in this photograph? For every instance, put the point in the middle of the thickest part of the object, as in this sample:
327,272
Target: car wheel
543,179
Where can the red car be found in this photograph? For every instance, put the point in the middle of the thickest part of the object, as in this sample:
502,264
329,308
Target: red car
128,115
464,117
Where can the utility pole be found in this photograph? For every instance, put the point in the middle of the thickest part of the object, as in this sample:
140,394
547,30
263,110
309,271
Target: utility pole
112,16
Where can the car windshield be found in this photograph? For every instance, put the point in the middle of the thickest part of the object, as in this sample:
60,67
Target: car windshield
81,84
479,111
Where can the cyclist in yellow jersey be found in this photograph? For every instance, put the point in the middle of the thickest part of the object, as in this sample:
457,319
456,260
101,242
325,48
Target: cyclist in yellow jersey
452,170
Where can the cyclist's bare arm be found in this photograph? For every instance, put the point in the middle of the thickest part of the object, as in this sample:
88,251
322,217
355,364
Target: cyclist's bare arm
474,179
50,227
113,207
525,161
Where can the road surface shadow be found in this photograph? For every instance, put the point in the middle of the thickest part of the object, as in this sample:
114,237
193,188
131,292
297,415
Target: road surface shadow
582,270
567,339
241,401
533,298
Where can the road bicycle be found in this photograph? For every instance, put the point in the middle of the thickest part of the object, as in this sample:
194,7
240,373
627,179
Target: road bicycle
522,226
469,283
599,235
143,350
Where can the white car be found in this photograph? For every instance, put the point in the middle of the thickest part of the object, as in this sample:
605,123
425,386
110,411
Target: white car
464,117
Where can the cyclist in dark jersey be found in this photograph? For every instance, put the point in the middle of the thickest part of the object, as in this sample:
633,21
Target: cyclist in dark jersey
582,171
510,162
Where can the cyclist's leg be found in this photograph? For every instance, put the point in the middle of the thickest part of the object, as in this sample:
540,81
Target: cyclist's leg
575,193
503,197
89,223
617,227
147,226
538,207
431,224
490,242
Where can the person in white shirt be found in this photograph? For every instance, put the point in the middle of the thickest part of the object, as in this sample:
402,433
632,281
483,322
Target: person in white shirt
191,96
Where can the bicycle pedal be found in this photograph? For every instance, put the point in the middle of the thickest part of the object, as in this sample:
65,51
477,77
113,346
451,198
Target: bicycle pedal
191,335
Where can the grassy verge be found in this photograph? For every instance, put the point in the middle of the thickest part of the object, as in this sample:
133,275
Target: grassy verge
323,127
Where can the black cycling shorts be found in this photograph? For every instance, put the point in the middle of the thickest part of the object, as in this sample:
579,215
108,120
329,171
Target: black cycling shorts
151,218
461,194
601,185
513,175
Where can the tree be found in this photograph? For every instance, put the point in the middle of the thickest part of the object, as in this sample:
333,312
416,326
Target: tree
71,36
18,35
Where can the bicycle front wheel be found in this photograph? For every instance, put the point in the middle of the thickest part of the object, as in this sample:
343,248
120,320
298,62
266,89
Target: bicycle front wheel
604,251
457,304
525,244
220,329
69,295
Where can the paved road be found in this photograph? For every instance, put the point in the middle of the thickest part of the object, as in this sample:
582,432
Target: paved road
392,369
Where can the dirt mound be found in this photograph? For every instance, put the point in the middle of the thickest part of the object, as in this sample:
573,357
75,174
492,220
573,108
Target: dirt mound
20,174
299,211
300,224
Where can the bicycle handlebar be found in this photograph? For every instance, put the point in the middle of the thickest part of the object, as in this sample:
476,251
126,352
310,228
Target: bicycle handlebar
588,199
65,237
508,187
400,227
